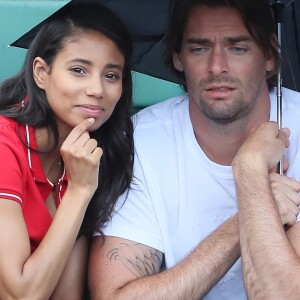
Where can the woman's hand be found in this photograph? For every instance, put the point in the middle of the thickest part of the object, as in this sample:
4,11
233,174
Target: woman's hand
286,194
82,158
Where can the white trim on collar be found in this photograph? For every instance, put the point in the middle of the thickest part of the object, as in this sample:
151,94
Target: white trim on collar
28,146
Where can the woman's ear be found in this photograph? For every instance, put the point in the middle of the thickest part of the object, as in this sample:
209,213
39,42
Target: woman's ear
40,72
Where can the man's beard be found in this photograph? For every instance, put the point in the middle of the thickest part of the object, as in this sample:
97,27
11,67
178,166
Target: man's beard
224,111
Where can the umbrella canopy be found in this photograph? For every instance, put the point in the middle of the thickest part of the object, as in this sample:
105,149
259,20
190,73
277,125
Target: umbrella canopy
147,21
291,44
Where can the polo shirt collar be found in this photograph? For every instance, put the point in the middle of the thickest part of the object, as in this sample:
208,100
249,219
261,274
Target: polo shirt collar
35,165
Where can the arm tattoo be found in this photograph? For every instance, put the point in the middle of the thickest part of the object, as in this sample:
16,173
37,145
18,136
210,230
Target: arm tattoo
139,259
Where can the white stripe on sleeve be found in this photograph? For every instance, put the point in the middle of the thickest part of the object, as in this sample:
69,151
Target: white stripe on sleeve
12,196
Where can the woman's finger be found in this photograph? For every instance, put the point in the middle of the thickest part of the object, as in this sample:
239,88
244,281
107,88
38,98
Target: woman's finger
78,131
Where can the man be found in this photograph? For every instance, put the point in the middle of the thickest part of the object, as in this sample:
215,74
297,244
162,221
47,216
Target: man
181,210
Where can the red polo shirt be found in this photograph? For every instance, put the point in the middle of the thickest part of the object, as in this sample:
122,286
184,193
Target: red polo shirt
22,178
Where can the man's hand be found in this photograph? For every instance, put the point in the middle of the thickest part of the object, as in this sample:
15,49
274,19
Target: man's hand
264,147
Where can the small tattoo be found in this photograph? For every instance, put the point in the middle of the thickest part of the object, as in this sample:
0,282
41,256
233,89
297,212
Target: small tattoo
139,259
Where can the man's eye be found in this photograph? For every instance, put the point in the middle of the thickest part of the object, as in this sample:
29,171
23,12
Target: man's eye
198,49
239,50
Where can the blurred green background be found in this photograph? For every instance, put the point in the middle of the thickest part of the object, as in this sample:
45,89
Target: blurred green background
17,17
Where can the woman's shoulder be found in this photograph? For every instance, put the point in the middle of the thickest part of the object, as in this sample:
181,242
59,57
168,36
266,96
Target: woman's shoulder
10,130
8,124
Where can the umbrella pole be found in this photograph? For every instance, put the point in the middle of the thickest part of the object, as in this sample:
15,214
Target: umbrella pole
278,7
278,10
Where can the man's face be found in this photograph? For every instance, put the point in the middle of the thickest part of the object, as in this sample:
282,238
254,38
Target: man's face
224,68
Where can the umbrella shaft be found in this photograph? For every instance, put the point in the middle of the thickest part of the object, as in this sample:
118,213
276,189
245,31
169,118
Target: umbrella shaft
279,92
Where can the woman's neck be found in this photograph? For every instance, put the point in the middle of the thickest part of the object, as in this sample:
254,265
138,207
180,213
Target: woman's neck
50,157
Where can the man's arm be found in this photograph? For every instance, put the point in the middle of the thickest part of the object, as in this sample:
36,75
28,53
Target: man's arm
271,265
121,269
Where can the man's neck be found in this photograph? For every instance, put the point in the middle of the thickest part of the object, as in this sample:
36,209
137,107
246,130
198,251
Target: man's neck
220,142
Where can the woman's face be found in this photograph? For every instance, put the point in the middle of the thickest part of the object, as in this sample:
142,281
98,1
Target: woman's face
85,80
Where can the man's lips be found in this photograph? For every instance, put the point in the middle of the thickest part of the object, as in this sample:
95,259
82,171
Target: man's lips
219,91
219,88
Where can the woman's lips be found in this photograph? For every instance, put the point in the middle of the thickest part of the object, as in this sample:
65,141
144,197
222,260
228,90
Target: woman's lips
91,110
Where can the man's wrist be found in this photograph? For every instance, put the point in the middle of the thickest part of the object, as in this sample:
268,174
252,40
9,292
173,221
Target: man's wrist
249,168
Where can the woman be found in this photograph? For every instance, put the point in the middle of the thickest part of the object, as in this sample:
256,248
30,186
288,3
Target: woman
67,108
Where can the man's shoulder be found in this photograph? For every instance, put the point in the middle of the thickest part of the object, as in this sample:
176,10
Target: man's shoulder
290,106
159,113
291,99
290,112
156,125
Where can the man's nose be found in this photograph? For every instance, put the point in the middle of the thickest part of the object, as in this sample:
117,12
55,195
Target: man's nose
218,61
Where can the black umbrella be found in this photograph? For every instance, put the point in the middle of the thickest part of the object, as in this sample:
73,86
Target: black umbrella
287,17
146,20
281,13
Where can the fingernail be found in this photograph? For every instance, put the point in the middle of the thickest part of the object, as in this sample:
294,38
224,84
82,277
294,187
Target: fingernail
91,120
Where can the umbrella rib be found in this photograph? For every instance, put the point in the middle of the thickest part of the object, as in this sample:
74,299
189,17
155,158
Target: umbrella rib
289,64
149,50
297,46
296,29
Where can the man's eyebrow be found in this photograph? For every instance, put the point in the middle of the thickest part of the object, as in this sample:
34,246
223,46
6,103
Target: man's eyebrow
240,38
230,39
194,40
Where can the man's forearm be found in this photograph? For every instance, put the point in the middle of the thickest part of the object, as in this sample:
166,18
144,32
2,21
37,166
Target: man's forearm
270,264
195,275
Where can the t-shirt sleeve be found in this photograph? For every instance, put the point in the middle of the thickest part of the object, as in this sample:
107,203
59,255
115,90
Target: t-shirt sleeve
11,178
135,217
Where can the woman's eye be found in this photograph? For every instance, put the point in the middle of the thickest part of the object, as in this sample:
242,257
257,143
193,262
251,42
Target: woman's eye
77,70
112,76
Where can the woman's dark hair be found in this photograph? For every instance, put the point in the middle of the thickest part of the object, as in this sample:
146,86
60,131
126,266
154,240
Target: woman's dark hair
115,136
258,19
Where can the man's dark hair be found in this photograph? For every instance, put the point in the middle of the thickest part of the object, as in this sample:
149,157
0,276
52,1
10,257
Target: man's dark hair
258,19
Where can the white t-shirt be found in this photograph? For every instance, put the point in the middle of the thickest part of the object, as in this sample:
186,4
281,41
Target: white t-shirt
179,196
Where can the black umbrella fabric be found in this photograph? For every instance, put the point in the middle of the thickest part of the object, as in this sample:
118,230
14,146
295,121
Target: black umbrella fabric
147,20
289,17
